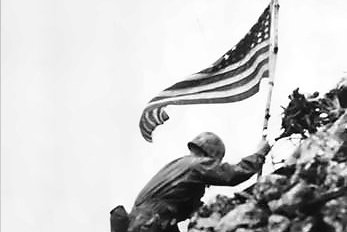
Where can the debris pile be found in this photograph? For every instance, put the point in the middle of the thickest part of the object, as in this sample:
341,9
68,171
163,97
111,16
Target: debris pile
309,193
305,114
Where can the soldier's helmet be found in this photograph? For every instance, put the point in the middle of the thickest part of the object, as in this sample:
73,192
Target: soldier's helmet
209,143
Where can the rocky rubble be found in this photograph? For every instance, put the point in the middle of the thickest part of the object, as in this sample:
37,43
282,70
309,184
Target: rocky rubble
309,193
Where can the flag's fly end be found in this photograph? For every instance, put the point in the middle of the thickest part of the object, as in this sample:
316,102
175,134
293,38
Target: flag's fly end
150,119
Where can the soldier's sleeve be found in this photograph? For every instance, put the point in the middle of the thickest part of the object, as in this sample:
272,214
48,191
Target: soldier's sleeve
230,174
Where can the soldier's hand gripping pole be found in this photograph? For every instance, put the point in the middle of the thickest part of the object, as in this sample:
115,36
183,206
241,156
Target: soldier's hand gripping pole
263,149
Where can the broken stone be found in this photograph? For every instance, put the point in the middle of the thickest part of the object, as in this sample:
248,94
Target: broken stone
303,225
292,199
278,223
270,187
335,214
247,215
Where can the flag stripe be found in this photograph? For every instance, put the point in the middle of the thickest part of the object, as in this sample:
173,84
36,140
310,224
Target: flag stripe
225,74
220,99
246,79
202,74
162,114
211,94
233,82
144,127
156,116
150,119
147,134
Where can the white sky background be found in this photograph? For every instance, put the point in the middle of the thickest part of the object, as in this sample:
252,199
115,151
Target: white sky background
76,75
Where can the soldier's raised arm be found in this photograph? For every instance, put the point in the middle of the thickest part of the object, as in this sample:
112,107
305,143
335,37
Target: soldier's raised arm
225,174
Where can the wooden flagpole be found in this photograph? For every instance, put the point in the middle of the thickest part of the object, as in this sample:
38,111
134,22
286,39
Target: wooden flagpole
272,64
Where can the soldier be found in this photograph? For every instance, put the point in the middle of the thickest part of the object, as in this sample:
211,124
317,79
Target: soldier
174,193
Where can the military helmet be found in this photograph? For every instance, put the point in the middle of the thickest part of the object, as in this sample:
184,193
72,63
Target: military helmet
209,143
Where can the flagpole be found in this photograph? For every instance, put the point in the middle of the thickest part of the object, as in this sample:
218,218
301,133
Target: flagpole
272,64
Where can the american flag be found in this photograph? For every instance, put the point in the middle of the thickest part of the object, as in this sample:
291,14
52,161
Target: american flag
234,77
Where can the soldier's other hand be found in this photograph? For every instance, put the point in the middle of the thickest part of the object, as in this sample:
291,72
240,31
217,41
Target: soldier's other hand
263,147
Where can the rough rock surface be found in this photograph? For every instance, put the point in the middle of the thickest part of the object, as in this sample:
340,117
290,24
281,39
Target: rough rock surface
309,193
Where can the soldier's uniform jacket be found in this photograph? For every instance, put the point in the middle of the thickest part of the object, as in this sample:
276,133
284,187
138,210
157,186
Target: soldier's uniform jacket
175,191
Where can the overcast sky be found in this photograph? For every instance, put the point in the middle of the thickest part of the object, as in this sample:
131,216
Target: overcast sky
76,75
